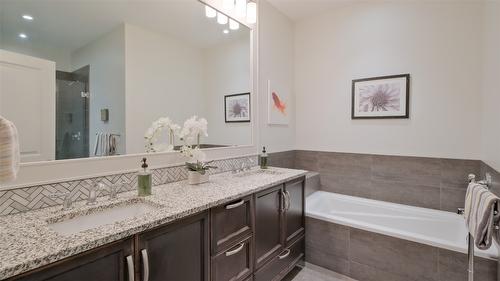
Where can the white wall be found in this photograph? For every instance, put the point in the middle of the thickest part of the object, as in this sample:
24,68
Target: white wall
62,57
106,57
164,77
491,91
227,71
275,64
439,44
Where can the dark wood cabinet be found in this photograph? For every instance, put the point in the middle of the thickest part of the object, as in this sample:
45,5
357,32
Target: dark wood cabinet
231,222
268,224
235,263
281,264
106,263
294,210
258,237
178,251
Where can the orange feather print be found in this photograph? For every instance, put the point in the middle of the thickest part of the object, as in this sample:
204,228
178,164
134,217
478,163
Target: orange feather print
279,104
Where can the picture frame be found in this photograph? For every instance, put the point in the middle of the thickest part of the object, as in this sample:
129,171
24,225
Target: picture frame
278,109
383,97
237,108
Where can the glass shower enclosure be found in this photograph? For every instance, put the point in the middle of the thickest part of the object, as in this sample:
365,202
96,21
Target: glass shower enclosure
72,114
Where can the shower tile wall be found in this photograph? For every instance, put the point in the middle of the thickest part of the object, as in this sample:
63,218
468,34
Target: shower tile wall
435,183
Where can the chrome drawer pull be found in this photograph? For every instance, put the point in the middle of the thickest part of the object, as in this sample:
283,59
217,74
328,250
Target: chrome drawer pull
130,268
235,205
288,200
145,265
235,251
284,255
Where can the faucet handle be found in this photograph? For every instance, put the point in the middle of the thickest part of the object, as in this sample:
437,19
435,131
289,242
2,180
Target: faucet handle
113,189
66,196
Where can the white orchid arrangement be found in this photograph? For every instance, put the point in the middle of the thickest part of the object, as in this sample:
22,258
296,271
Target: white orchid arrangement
152,134
193,129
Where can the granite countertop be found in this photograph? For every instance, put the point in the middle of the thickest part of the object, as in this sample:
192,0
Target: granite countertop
27,242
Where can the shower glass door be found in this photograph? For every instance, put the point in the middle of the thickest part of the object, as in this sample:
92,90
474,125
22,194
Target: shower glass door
72,108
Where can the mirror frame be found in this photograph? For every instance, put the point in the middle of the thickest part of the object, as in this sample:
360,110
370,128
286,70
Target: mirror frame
46,172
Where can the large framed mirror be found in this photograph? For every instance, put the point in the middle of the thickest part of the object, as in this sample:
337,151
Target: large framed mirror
87,79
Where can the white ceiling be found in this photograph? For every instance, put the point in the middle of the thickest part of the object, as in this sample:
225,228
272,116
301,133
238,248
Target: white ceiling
71,24
300,9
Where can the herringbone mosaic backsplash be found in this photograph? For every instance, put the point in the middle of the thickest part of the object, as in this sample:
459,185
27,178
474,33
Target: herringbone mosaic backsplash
37,197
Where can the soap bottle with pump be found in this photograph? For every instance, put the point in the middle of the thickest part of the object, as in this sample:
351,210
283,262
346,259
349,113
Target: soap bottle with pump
263,158
144,180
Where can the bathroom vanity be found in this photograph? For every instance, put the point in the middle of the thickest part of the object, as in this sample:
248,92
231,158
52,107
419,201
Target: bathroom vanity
245,226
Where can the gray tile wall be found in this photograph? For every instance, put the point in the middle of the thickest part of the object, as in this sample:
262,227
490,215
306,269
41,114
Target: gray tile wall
435,183
36,197
368,256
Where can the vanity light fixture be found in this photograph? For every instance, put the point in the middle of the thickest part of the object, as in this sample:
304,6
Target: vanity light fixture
251,12
228,4
28,17
221,18
233,25
210,12
240,8
23,35
225,31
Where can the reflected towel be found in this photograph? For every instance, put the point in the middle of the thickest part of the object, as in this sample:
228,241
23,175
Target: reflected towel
9,151
479,217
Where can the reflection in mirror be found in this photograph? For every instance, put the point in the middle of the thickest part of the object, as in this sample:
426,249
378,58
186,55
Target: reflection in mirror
89,78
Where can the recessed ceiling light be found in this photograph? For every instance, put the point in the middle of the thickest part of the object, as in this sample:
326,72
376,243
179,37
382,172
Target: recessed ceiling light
225,31
23,35
27,17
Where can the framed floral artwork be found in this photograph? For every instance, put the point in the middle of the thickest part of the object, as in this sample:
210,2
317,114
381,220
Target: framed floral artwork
237,108
277,105
381,97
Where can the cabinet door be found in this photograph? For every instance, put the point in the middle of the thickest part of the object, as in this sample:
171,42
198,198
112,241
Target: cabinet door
176,252
268,224
107,263
231,222
294,210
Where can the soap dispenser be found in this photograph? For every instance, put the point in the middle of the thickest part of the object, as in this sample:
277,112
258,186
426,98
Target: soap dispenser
144,180
263,158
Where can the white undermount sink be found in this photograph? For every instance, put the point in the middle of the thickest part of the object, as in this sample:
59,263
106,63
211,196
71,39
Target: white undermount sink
101,217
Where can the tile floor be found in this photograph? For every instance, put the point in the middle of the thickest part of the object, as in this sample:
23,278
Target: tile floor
312,272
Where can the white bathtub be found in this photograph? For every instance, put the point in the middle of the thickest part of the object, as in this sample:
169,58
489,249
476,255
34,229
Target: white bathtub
427,226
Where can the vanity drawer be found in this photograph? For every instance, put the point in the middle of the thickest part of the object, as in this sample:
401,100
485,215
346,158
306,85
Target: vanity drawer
231,222
276,268
234,263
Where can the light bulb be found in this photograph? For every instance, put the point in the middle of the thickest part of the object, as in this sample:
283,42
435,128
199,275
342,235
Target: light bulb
252,12
233,25
228,4
210,12
28,17
221,18
225,31
241,8
23,35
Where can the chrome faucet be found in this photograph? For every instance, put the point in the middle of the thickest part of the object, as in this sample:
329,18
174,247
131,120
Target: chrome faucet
113,190
66,196
94,190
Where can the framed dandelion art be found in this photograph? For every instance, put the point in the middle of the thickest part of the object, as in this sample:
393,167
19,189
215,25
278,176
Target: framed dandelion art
381,97
237,108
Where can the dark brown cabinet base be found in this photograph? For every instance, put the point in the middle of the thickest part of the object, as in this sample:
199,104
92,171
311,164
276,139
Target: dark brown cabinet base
107,263
258,237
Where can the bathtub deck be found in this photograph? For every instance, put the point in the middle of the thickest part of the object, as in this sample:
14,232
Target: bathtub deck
313,272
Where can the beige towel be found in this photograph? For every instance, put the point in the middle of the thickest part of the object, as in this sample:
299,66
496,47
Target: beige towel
479,218
9,151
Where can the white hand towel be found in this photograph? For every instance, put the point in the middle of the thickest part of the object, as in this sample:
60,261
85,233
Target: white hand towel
9,151
479,218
